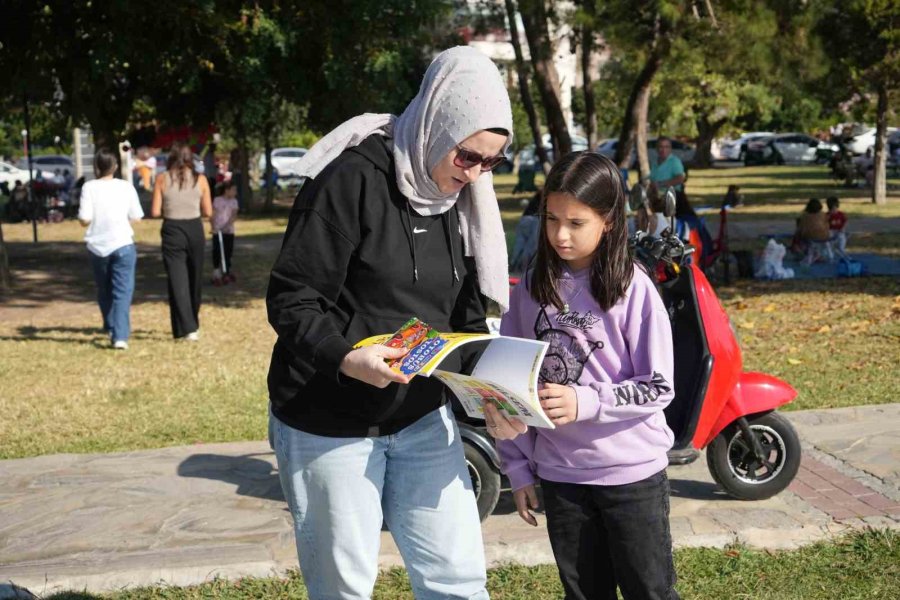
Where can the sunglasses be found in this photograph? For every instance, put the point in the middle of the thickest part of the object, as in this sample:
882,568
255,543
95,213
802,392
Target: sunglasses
466,159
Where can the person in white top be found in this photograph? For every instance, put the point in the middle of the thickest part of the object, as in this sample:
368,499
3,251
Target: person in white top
108,206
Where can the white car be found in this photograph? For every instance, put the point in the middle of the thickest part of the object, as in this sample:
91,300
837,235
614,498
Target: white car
284,161
737,149
789,148
10,173
864,139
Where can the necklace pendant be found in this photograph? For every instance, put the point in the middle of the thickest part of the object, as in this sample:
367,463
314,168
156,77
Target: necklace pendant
566,307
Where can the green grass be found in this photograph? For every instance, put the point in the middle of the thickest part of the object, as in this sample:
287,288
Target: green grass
861,565
836,341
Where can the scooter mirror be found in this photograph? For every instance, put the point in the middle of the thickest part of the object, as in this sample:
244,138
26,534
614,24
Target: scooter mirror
670,203
637,198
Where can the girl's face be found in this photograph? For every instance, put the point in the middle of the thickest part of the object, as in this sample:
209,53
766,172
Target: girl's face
574,229
231,192
450,178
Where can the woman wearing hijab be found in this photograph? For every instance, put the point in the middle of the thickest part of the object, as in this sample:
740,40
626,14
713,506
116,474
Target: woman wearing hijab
399,219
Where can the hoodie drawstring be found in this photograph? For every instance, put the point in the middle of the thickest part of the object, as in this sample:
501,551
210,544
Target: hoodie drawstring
446,219
412,243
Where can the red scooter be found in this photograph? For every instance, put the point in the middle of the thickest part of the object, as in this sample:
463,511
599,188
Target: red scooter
752,451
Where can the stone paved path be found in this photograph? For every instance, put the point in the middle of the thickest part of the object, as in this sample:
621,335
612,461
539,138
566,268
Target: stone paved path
183,515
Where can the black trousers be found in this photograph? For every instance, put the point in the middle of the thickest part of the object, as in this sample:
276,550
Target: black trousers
182,250
228,243
609,536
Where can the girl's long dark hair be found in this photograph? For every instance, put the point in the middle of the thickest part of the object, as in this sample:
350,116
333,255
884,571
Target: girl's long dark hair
595,181
180,157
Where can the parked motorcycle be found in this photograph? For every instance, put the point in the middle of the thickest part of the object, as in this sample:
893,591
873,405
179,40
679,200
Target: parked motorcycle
752,451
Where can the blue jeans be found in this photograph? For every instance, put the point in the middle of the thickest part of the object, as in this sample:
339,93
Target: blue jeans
340,490
114,275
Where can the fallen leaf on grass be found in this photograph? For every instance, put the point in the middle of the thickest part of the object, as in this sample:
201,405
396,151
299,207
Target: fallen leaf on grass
746,324
794,361
823,329
769,308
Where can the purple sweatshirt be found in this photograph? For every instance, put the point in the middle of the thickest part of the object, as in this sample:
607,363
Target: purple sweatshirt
619,363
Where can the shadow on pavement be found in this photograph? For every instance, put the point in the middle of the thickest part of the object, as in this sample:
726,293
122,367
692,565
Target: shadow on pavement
696,490
253,476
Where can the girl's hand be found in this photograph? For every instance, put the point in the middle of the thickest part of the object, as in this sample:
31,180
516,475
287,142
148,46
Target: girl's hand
367,364
499,425
526,499
559,403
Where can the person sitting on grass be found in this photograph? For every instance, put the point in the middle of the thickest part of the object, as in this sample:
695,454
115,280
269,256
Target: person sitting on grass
837,223
812,226
733,197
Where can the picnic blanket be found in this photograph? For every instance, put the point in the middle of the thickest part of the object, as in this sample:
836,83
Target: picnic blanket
875,264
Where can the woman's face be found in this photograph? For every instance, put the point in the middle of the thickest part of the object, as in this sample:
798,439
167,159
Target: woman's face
451,178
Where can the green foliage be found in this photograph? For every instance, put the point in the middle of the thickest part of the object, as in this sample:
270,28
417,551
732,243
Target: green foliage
864,46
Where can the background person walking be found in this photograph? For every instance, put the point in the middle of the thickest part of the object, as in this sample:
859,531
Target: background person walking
107,207
181,197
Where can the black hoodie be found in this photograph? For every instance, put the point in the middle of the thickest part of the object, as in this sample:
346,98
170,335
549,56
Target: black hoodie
356,261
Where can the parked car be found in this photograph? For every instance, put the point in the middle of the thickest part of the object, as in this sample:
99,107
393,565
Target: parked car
789,148
863,139
680,149
737,149
10,173
527,154
284,161
48,163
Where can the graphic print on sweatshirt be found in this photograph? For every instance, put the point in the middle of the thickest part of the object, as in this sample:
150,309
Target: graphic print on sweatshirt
565,357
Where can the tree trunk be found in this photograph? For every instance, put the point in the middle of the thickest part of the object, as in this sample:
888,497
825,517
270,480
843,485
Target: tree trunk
534,120
635,122
105,137
879,182
640,131
244,166
5,274
534,18
270,188
706,133
587,54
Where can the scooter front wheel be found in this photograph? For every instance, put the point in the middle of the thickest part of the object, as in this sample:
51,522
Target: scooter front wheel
735,465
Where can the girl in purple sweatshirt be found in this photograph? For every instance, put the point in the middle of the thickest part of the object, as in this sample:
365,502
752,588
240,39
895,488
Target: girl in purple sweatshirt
606,378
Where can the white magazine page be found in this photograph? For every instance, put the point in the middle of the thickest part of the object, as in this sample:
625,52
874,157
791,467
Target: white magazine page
512,363
472,392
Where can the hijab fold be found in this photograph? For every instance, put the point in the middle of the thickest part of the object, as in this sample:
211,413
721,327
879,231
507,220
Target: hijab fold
462,93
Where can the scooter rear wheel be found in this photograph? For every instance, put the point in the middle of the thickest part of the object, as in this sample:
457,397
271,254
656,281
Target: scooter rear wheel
734,466
485,481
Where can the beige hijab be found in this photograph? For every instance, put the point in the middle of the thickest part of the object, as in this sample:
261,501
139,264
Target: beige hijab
462,93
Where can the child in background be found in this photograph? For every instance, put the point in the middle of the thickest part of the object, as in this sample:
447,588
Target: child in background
225,210
837,223
733,197
605,380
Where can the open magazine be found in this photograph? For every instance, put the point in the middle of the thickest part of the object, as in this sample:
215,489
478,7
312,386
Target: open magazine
506,373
